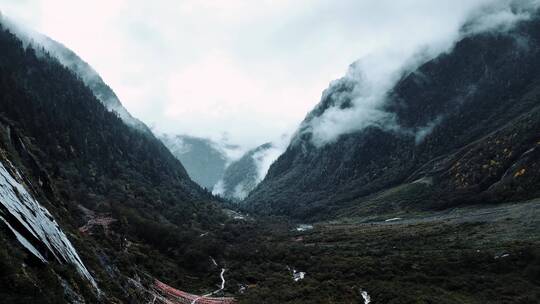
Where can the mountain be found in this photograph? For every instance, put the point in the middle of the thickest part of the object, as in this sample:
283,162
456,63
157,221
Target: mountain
93,210
243,175
77,65
89,202
461,128
217,166
203,159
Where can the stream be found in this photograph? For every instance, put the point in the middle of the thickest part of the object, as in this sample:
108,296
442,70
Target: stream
222,286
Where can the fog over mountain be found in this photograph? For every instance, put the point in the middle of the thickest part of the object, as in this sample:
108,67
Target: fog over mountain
69,59
224,168
242,175
413,178
247,61
383,126
372,77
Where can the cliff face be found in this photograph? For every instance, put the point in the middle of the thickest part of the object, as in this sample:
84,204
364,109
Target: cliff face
465,127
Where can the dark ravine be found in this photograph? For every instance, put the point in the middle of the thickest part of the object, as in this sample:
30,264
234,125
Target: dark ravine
481,102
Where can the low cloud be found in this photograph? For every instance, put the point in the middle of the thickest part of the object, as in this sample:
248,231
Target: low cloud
371,78
44,45
500,16
260,159
265,158
421,132
251,68
254,68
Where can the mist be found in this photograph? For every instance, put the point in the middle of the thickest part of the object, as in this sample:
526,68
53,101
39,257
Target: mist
265,158
250,72
45,46
373,76
250,69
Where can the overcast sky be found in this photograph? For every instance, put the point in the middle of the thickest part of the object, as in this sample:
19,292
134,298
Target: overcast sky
250,68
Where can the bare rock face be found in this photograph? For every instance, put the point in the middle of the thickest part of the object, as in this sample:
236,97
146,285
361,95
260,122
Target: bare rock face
33,225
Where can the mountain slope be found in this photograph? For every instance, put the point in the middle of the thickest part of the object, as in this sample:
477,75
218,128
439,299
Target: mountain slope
203,159
466,129
41,43
118,194
243,175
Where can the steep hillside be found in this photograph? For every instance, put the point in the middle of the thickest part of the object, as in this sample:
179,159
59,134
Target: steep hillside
88,179
43,44
203,159
465,128
93,210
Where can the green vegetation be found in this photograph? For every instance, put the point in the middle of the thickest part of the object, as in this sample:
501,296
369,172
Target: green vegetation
480,255
467,121
83,163
76,156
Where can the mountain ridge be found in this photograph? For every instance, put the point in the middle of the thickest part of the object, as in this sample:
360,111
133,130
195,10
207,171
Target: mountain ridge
461,96
81,68
111,187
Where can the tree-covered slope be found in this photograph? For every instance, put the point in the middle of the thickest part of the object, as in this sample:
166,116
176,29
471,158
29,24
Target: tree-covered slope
123,200
77,65
466,128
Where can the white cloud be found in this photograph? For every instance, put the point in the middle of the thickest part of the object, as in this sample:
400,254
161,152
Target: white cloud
266,157
251,69
375,75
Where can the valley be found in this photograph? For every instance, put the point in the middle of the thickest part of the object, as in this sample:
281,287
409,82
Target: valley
478,254
415,179
433,257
